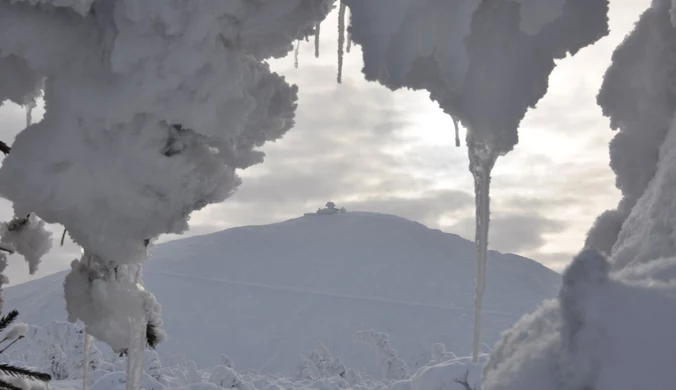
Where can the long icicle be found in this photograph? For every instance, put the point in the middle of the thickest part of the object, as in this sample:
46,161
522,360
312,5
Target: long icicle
85,363
295,54
457,132
349,41
341,40
137,341
135,353
317,30
482,161
29,106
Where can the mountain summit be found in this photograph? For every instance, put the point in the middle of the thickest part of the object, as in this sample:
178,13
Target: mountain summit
265,294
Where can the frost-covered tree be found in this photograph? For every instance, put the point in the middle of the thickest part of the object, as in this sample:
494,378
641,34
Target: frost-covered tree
151,106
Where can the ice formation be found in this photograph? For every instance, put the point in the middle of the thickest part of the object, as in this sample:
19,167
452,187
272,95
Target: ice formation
484,62
27,236
151,106
341,40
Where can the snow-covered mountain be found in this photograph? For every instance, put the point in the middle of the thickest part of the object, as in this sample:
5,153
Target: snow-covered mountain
265,294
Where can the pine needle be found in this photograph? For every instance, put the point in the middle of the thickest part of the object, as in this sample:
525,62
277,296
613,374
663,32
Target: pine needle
63,236
151,335
24,373
8,319
8,386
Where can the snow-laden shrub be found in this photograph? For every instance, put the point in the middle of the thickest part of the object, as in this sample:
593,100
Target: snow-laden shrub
15,375
387,358
318,364
57,348
227,378
28,237
439,354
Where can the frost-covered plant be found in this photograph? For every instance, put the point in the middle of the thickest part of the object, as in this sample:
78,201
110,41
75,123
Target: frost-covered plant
439,354
387,358
227,378
319,363
26,236
13,377
57,348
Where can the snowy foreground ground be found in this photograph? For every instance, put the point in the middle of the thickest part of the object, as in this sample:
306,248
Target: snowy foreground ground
57,348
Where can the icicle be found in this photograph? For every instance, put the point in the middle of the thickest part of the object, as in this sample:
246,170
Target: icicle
137,340
29,106
137,337
85,363
341,40
349,41
317,30
457,132
295,54
482,160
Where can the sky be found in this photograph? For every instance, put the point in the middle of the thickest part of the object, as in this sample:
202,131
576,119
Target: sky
367,148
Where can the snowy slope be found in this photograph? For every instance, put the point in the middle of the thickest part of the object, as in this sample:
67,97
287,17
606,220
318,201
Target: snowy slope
265,294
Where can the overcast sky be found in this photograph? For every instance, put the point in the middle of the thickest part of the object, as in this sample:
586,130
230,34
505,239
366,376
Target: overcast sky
370,149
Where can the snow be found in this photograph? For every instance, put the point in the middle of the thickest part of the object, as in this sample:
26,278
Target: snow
590,338
317,369
264,295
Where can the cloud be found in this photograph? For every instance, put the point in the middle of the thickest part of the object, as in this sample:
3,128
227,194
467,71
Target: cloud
514,233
